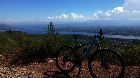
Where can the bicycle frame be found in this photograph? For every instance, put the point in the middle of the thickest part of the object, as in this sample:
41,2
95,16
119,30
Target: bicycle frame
95,42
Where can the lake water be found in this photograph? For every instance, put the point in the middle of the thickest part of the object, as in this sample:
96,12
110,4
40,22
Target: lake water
41,30
106,35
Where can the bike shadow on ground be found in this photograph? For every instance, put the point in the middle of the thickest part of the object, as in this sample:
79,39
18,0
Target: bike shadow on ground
56,74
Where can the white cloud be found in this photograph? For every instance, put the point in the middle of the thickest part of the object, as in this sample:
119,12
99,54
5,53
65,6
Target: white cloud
131,5
107,15
130,10
71,16
118,10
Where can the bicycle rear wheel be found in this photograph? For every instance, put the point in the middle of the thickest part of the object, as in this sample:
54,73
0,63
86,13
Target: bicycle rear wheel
66,59
106,64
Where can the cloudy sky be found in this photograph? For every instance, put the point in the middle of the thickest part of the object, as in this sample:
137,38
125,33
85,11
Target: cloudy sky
68,10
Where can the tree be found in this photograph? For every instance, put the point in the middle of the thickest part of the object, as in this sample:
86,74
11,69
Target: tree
5,28
51,30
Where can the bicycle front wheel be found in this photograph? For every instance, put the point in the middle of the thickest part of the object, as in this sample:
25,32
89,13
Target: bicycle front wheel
106,64
66,59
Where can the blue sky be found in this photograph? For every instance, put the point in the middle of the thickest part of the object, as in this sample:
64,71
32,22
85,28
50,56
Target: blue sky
68,10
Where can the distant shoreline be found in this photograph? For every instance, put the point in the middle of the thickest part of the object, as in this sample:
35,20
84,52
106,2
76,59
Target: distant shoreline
106,35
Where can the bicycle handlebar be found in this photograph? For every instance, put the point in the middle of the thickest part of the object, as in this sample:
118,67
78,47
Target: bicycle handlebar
100,36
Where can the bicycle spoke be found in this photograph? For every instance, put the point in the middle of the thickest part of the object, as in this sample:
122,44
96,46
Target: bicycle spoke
65,59
106,64
66,65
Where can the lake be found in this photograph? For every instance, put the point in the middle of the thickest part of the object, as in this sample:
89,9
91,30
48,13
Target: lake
41,30
106,35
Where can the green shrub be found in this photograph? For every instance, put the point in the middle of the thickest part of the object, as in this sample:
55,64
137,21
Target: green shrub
35,50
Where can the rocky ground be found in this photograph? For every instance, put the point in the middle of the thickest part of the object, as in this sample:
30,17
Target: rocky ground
37,70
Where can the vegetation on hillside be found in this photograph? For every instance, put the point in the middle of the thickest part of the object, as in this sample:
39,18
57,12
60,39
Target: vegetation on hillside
21,48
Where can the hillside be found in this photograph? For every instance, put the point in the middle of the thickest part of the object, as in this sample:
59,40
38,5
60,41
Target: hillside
21,53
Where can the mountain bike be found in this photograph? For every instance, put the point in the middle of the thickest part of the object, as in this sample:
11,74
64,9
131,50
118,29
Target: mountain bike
102,63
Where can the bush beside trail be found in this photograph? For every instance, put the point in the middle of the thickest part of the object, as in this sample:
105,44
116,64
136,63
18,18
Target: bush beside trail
20,48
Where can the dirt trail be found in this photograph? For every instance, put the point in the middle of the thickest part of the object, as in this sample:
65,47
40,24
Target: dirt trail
36,70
